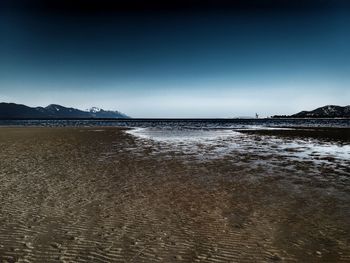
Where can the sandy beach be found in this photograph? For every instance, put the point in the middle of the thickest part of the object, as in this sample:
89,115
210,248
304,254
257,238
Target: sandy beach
105,195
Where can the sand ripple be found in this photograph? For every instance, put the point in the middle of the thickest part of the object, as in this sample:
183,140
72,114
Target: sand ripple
78,195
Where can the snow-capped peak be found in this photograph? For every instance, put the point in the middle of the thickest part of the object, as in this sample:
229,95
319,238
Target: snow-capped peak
94,109
54,107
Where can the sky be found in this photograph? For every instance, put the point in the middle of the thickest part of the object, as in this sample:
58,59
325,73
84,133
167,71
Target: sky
184,59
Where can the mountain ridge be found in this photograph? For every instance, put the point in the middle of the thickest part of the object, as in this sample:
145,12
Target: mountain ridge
327,111
54,111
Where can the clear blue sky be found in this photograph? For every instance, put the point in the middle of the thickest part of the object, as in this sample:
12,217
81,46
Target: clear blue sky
177,61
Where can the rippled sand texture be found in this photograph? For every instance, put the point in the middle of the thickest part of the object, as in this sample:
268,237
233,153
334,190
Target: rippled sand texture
104,195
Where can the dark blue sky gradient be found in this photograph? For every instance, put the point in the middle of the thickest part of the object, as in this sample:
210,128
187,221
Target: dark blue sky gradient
177,61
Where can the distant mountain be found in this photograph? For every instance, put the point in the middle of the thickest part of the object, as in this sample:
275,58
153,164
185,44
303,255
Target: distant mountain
53,111
328,111
101,113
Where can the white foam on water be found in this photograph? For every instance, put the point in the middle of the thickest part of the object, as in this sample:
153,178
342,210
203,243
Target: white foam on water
305,149
183,135
216,143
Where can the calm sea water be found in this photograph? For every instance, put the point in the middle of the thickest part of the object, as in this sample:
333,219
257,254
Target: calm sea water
188,124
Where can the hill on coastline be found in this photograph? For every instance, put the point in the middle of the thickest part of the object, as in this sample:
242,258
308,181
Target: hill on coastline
54,111
328,111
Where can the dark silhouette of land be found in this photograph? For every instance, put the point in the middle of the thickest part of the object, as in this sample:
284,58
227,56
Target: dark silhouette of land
54,111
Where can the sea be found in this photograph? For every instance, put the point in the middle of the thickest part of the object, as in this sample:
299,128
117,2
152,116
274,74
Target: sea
186,123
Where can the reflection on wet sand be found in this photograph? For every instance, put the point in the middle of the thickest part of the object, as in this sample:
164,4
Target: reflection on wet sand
116,195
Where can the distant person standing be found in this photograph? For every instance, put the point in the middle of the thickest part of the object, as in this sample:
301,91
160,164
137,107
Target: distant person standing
256,115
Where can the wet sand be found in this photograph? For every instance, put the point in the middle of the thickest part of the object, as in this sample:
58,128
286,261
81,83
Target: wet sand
104,195
340,135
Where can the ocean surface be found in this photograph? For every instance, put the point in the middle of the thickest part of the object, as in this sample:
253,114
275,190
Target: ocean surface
188,123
